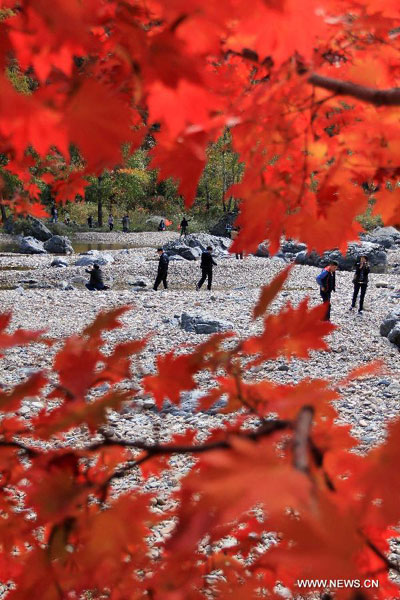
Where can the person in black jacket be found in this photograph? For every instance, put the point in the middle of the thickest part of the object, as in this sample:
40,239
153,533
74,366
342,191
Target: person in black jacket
96,279
360,282
327,286
125,223
162,272
206,265
184,226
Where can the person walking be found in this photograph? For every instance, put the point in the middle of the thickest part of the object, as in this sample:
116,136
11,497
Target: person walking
228,230
111,222
90,221
234,234
162,226
206,266
360,282
54,214
125,223
327,284
184,226
162,272
96,279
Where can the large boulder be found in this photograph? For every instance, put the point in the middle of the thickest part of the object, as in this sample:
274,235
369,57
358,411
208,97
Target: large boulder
262,250
376,255
219,228
28,227
30,245
292,247
39,230
58,244
394,335
288,250
203,324
390,322
384,236
94,256
192,245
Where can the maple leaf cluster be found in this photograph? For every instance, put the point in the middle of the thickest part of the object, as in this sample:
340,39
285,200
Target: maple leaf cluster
277,463
105,72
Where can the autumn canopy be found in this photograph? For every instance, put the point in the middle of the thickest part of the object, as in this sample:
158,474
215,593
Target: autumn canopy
308,90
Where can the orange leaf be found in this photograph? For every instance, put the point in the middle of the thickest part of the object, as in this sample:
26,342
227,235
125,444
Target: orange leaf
269,292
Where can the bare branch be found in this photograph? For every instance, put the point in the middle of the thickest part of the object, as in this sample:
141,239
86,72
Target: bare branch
18,445
389,97
267,428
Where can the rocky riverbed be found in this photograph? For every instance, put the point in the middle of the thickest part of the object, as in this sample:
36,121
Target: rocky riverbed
42,296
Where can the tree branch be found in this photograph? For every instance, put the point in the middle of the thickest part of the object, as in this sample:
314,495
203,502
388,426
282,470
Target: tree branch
267,428
155,450
389,97
301,439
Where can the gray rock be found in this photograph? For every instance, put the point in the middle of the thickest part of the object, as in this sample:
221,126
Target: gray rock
30,245
58,244
176,257
29,282
190,403
65,286
389,323
203,324
191,246
394,335
292,247
185,252
141,283
59,262
384,236
219,228
390,327
262,250
39,230
93,256
376,255
29,227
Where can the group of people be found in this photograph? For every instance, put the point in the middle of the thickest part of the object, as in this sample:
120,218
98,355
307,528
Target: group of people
206,265
326,278
125,222
327,282
162,226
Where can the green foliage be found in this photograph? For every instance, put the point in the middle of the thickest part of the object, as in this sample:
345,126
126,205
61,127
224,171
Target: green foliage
223,169
20,81
369,221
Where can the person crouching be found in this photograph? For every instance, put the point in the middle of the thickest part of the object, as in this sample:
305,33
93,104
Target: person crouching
96,279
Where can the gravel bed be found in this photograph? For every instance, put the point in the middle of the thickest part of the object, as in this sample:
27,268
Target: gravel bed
367,405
